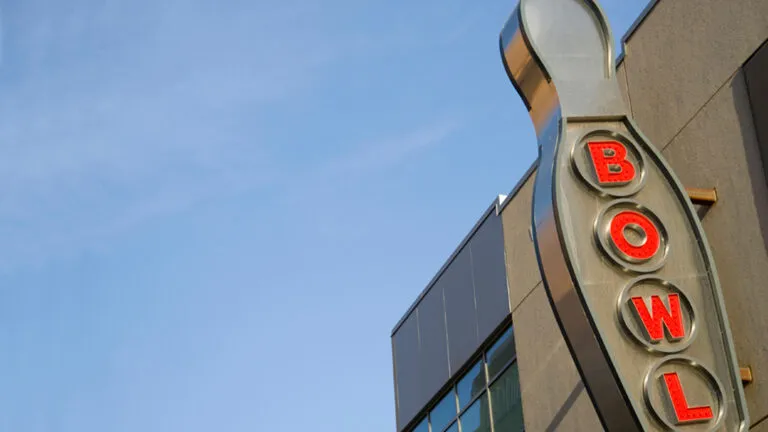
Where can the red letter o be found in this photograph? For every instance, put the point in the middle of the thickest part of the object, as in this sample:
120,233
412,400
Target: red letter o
640,223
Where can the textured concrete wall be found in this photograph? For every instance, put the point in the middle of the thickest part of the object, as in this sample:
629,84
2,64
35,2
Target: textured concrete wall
621,76
553,395
522,269
682,53
760,427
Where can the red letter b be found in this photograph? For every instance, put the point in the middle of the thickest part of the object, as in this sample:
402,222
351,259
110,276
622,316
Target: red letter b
610,161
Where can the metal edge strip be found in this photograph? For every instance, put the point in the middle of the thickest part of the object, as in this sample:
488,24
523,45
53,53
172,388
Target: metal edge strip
585,313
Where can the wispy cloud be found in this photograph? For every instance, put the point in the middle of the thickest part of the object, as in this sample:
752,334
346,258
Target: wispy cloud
378,155
116,112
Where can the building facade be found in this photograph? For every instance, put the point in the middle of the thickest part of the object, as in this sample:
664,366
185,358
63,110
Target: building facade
480,348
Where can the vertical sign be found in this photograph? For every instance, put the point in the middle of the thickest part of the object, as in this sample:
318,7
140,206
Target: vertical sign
621,251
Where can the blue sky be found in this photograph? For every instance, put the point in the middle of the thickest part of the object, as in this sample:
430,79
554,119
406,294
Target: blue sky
212,213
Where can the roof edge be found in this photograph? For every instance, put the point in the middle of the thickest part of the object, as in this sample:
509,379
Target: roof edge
494,208
633,28
515,190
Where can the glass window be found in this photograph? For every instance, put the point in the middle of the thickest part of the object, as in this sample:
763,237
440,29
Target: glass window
471,385
444,412
477,418
503,395
500,353
423,426
507,406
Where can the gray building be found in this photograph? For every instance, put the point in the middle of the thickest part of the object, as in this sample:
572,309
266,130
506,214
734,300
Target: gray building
480,349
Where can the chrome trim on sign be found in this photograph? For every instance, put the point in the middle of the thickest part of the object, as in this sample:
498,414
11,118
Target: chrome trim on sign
619,258
655,347
577,155
703,372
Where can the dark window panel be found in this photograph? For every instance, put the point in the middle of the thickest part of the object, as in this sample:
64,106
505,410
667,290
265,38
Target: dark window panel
454,428
444,412
408,371
471,385
507,406
460,310
423,426
477,417
499,355
489,276
434,345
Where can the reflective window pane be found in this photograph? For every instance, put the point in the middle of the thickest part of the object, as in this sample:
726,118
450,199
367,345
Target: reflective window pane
423,426
443,413
454,428
477,418
507,406
471,385
501,353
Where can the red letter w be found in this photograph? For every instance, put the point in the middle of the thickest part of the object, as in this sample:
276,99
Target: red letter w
659,317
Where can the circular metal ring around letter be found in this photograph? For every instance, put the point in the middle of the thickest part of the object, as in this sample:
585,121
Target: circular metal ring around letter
631,322
585,167
691,370
602,232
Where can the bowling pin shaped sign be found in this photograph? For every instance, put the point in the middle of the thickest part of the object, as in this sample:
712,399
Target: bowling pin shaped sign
621,251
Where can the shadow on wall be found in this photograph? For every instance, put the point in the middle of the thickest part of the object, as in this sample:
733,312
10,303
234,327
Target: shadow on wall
755,71
569,402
